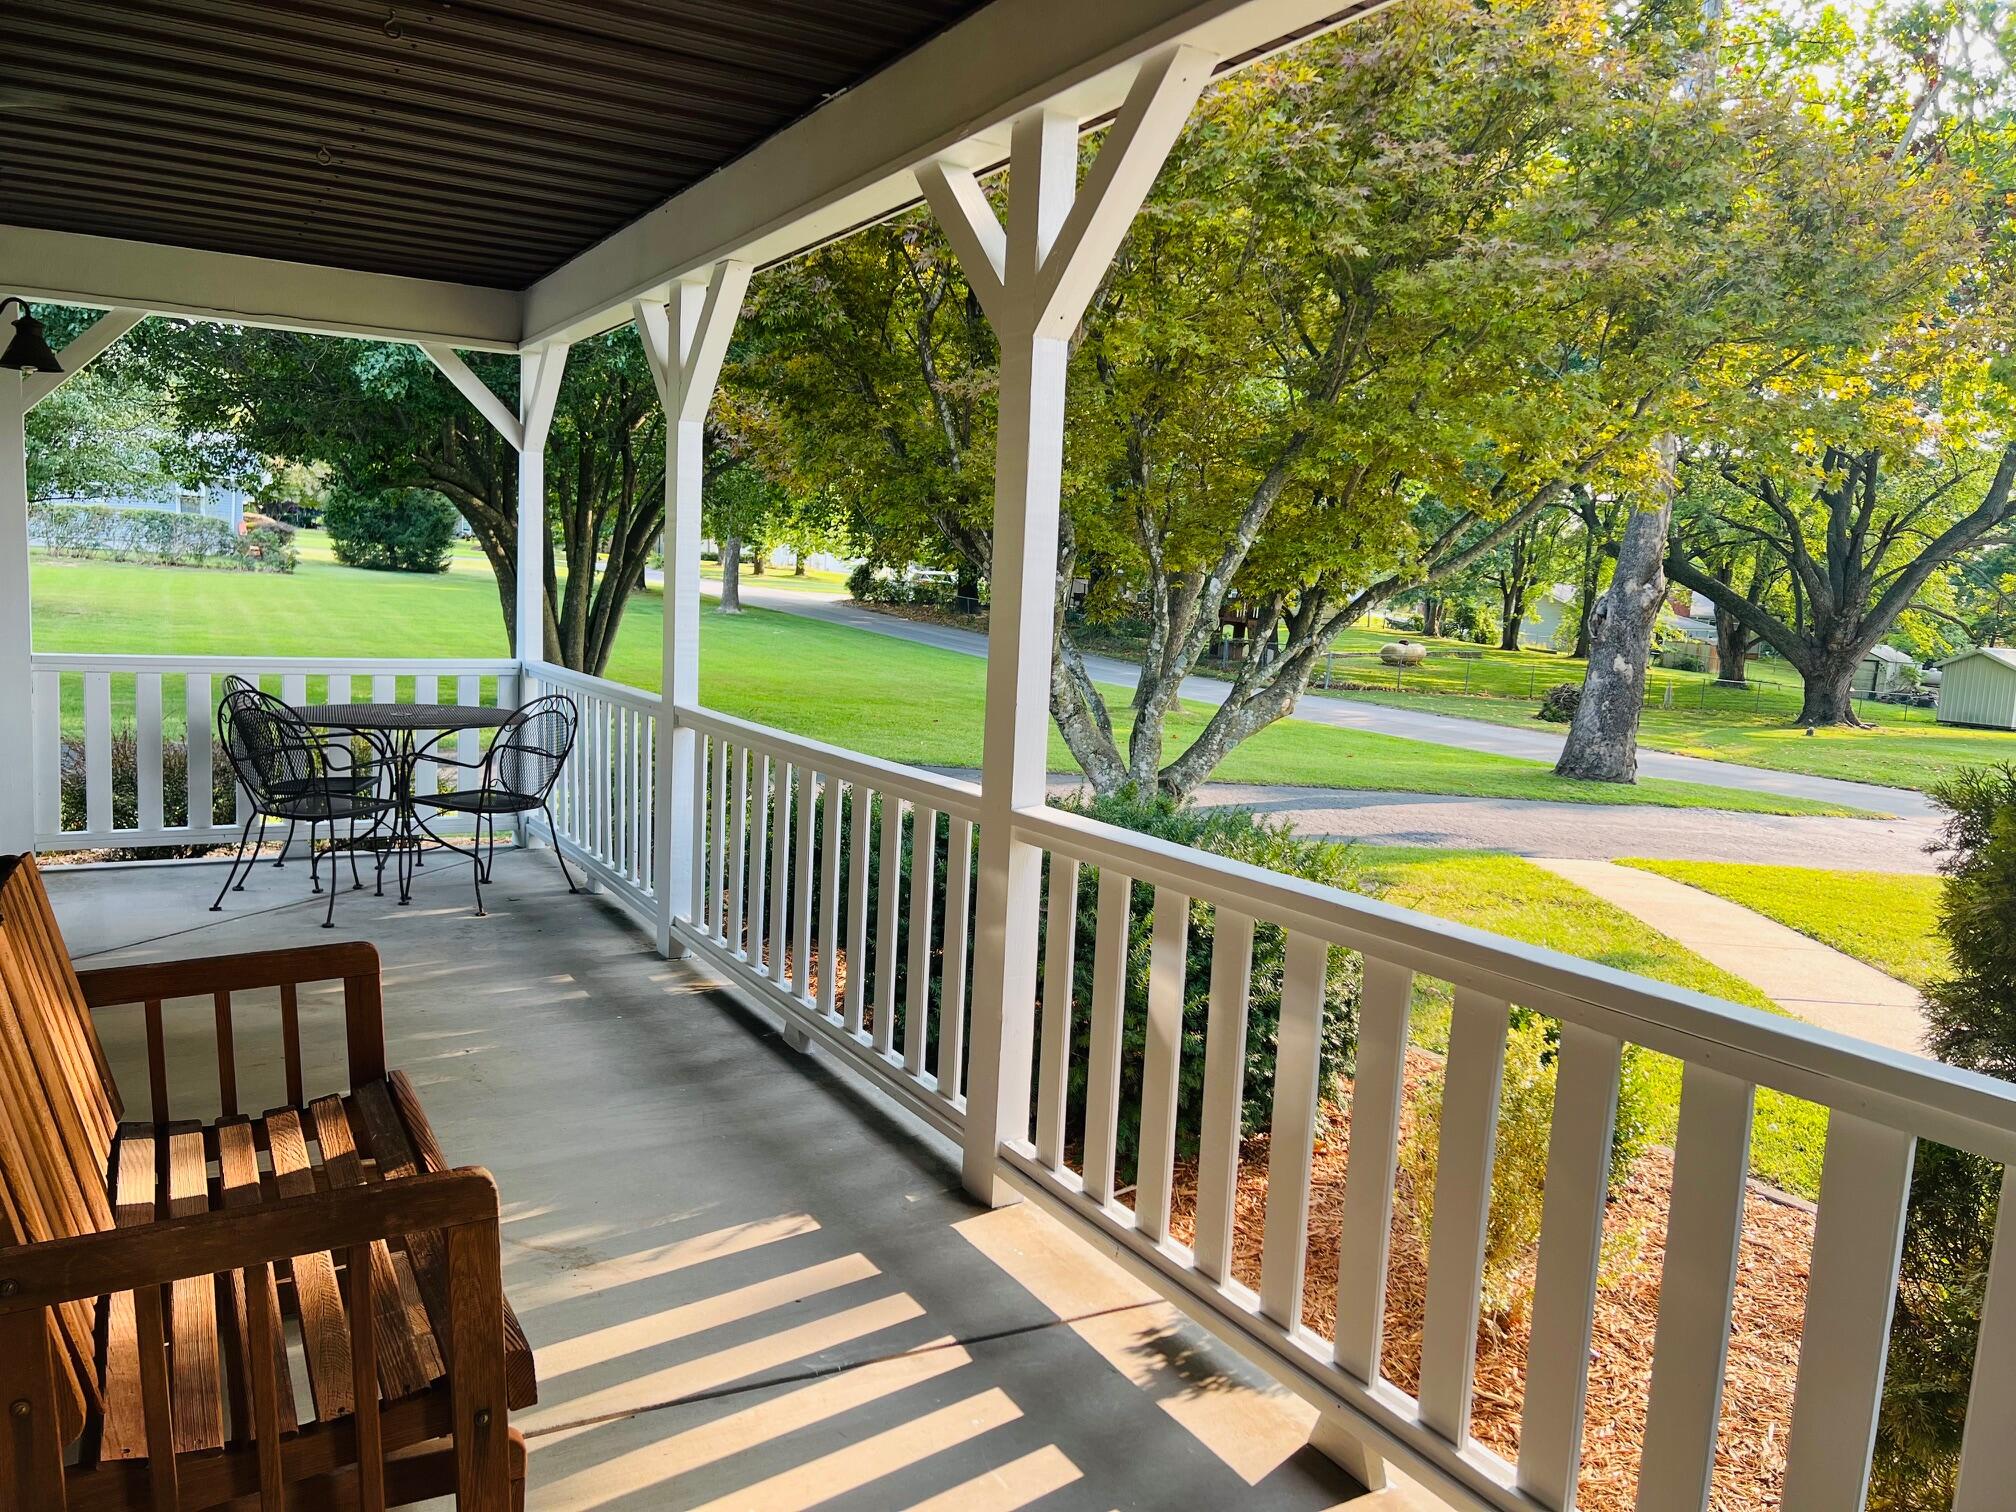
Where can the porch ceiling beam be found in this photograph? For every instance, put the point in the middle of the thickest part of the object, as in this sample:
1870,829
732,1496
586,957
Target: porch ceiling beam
65,267
477,392
84,348
853,160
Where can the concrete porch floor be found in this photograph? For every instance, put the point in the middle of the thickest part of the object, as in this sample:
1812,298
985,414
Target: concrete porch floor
749,1279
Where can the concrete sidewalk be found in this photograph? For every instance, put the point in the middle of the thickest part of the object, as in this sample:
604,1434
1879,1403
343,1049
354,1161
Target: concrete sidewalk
1808,980
1538,744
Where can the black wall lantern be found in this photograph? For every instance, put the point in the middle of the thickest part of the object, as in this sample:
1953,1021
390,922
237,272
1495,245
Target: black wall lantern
28,352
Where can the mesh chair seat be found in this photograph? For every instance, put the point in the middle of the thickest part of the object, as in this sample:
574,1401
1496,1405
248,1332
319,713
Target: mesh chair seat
312,803
483,801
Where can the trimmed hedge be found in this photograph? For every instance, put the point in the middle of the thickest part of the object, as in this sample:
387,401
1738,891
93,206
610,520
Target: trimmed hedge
162,536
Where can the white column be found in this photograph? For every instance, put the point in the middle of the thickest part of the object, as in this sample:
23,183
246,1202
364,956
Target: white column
538,387
685,342
1034,281
17,683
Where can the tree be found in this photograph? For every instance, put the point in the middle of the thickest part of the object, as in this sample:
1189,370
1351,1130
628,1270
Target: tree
108,432
391,529
1862,532
739,504
380,416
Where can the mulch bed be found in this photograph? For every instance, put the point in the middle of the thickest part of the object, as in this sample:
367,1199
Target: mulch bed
1763,1348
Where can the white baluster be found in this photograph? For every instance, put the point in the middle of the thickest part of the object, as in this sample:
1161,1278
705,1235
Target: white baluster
1291,1143
197,715
923,881
801,887
952,985
1109,992
147,735
1224,1089
888,905
829,898
860,808
98,752
1162,1061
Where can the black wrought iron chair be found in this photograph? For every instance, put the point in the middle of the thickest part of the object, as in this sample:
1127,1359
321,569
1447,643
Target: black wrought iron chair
287,771
362,775
515,776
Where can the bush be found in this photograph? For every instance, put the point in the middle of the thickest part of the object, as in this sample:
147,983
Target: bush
1227,832
162,536
391,530
126,790
1238,835
1518,1170
1559,703
1973,1012
1954,1195
1519,1162
271,547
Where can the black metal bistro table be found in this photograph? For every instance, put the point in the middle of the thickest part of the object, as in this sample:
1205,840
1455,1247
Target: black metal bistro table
393,730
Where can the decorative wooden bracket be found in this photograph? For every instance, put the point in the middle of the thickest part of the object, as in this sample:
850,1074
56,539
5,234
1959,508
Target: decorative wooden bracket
1042,282
686,340
477,392
85,347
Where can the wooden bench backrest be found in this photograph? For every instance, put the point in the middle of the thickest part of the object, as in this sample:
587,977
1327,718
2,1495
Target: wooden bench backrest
59,1107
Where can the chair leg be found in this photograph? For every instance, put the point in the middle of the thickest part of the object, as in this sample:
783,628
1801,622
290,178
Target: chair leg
554,830
476,870
243,835
315,861
239,885
329,914
285,845
356,882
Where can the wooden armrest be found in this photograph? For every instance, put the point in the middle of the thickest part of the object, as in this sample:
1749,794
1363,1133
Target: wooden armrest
205,1244
354,963
198,976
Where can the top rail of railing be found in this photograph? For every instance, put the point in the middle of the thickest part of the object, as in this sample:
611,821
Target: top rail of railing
1907,1092
601,687
311,666
955,796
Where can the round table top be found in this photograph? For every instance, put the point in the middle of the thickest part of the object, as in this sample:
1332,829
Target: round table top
390,716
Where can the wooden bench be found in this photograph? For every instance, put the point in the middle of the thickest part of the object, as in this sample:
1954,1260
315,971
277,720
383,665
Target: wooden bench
162,1280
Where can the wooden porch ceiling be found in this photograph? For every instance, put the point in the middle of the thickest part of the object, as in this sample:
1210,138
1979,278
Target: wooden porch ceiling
476,141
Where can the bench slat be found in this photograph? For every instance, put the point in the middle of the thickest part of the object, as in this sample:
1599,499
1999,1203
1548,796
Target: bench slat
238,1162
407,1357
192,1309
323,1328
125,1431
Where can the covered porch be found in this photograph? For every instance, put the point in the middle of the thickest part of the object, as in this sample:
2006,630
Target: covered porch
810,1146
748,1279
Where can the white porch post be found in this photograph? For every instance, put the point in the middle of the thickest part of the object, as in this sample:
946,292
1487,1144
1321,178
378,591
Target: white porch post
538,387
1034,281
17,682
685,342
19,393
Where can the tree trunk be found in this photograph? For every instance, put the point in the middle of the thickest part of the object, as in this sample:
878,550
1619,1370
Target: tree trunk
1586,600
1603,740
1830,690
797,564
1431,615
1732,648
757,551
731,575
1508,632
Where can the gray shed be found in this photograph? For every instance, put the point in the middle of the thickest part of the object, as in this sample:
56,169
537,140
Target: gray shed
1881,671
1978,687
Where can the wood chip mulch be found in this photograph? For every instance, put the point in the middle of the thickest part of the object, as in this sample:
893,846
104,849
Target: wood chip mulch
1763,1348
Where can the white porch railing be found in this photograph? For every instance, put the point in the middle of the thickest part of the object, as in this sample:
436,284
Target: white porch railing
837,890
773,816
773,908
604,801
87,707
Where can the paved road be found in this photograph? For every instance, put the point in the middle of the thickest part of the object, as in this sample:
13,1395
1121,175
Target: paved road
1436,729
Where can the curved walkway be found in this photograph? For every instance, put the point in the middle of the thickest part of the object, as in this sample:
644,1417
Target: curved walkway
1436,729
1809,980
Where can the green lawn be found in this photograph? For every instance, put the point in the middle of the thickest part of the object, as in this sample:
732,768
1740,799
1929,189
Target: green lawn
1895,752
1889,921
1510,896
782,577
876,694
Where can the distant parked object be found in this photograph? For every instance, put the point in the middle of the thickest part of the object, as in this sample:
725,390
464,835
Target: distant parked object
1978,688
1403,653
